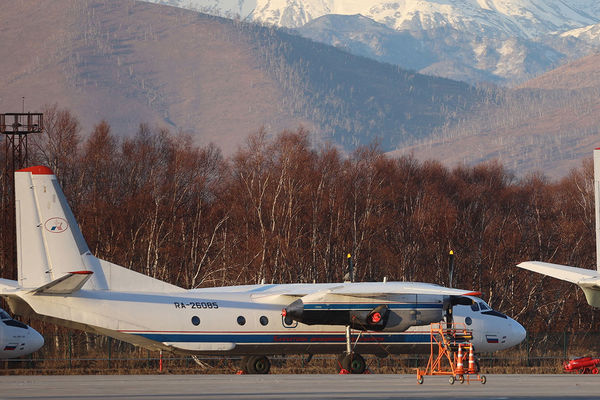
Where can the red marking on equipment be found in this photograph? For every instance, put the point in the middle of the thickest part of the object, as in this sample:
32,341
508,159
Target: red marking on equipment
375,318
37,170
477,294
284,312
81,272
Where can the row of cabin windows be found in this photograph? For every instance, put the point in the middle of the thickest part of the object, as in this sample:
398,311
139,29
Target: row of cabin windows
241,320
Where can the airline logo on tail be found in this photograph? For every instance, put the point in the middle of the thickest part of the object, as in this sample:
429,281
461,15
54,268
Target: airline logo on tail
56,225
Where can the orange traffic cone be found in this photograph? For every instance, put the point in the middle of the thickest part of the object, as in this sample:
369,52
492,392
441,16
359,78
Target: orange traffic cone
472,361
459,361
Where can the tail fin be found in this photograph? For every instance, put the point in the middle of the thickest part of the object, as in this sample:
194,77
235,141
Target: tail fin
53,257
49,242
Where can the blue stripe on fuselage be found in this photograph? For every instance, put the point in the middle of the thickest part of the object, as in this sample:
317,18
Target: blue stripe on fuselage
367,306
317,338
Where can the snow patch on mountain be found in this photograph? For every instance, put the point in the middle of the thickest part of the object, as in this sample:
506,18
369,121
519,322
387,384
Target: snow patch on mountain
505,41
590,33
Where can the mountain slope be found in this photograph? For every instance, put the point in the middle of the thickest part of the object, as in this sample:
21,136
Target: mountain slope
549,124
500,41
132,62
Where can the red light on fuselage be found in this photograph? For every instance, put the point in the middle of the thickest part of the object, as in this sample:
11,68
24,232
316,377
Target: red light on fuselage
375,318
283,312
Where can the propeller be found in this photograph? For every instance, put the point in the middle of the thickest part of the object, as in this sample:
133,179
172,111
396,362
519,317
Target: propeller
349,276
449,306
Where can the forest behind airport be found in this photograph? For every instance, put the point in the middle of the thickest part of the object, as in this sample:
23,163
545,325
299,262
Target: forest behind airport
282,211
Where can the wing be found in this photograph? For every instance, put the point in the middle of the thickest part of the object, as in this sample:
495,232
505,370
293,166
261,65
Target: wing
372,290
587,279
375,289
563,272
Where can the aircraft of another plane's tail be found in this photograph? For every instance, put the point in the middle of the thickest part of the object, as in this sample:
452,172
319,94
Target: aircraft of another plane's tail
587,279
16,338
59,280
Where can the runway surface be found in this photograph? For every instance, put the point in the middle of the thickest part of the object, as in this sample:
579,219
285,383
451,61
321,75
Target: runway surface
293,387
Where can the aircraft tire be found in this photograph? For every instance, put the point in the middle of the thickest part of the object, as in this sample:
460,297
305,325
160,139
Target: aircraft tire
258,365
354,363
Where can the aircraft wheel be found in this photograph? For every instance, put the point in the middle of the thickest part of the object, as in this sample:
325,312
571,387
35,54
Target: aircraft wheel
258,365
354,363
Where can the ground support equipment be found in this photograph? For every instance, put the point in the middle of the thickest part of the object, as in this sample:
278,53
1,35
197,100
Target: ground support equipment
582,365
450,349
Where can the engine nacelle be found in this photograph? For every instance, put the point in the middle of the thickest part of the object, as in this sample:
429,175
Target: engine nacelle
397,314
374,319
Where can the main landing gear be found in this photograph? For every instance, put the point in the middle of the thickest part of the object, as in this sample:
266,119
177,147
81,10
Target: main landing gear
351,363
256,365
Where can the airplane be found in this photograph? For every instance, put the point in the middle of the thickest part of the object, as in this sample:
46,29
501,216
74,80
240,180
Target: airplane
587,279
60,281
16,338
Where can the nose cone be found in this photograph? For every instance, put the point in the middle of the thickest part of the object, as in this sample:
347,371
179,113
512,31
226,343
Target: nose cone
34,341
518,333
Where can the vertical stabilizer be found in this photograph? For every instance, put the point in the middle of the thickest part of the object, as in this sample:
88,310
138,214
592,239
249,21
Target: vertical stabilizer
49,242
597,203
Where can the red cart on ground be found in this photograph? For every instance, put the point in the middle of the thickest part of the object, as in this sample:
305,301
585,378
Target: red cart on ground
582,365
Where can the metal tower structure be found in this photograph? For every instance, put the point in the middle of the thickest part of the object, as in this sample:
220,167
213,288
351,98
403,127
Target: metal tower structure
15,127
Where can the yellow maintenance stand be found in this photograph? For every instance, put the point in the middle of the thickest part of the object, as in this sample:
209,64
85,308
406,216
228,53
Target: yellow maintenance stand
453,345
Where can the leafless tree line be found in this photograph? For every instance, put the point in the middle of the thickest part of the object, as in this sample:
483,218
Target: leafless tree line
281,211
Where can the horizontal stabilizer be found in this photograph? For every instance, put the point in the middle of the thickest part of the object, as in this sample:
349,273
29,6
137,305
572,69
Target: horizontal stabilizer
8,286
67,284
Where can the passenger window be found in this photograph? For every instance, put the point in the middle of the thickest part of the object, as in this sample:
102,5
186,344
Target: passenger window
474,307
483,306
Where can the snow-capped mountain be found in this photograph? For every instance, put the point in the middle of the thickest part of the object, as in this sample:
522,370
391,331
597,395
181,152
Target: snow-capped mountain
504,41
524,18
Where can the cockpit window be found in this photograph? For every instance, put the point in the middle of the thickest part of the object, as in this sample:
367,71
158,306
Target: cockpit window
474,306
483,306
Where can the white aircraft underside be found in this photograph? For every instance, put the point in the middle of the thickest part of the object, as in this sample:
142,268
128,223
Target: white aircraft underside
59,280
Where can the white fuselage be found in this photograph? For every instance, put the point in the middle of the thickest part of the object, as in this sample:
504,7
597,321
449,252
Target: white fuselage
248,320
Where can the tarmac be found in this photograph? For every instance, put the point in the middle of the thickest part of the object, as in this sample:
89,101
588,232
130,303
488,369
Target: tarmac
294,387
